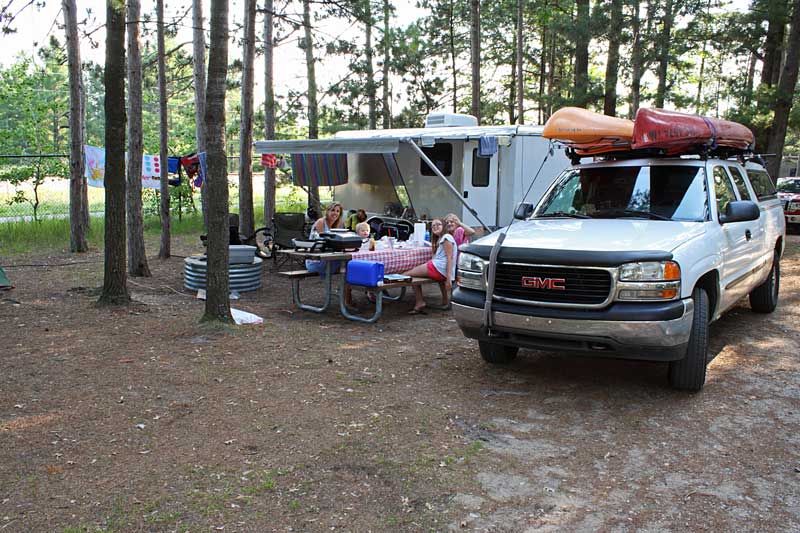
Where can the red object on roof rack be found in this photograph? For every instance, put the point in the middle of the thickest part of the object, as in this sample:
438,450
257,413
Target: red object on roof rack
676,133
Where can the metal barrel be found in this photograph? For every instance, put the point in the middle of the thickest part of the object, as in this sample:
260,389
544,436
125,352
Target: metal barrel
242,277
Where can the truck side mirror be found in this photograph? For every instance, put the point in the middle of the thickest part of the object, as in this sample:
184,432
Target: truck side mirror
740,211
523,211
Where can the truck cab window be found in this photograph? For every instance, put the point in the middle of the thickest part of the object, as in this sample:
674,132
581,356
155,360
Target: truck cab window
738,179
722,189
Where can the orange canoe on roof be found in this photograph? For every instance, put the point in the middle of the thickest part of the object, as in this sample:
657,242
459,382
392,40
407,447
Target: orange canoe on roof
588,132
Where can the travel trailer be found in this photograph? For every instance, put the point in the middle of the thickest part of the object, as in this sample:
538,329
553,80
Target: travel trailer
450,165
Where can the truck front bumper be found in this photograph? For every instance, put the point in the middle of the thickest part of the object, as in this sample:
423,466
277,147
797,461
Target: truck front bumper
656,332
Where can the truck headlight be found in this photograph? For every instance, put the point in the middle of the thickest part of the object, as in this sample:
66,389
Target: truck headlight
652,280
470,272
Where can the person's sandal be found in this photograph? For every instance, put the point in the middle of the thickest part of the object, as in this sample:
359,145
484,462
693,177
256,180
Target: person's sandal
420,311
440,307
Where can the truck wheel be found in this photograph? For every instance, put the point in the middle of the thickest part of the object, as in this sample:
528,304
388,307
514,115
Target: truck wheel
764,298
689,373
497,354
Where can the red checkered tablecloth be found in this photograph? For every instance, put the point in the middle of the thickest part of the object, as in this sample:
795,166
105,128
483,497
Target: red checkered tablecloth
397,260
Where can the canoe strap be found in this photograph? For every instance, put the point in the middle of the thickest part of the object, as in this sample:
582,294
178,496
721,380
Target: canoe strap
488,316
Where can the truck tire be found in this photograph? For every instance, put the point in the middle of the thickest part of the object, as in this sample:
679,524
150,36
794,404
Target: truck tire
497,354
689,373
764,298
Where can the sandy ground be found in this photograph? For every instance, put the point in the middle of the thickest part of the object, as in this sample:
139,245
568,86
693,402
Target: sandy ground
139,419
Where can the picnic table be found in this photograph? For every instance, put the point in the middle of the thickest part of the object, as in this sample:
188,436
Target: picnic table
395,261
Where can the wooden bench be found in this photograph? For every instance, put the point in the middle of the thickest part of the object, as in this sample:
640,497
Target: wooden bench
295,276
380,294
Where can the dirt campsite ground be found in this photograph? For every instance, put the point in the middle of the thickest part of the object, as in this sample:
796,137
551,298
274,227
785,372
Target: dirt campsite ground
140,419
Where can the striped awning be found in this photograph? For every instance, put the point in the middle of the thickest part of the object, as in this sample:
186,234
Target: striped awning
324,170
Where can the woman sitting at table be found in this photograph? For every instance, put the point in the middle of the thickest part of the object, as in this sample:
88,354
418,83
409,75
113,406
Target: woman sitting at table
442,267
331,220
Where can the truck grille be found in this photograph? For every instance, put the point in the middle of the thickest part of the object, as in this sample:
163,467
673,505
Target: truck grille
552,284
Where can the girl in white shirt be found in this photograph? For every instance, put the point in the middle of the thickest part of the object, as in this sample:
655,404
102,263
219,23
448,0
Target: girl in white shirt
442,267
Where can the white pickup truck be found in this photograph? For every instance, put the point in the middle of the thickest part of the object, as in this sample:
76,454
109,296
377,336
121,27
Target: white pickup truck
627,258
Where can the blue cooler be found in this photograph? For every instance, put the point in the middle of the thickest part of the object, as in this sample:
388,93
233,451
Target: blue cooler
365,273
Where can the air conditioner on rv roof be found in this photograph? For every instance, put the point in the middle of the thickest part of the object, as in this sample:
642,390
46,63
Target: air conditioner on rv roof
443,120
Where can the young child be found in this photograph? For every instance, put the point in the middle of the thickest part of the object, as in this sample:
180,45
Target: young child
367,242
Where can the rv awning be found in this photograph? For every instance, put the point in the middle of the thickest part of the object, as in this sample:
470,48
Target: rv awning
328,146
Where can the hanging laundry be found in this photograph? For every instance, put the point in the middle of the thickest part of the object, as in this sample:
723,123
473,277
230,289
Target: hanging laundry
269,160
95,165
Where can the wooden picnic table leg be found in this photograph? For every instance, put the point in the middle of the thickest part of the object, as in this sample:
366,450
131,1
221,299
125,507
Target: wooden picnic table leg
313,308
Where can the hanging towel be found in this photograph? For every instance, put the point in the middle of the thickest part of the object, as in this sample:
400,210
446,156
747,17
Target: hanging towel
269,160
174,165
487,146
201,174
95,159
319,169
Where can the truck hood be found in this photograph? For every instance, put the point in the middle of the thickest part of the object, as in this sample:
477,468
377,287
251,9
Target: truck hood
605,242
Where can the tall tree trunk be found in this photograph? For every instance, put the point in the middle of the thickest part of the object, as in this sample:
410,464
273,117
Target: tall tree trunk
372,96
84,182
612,64
218,306
199,73
582,37
701,74
115,288
512,83
520,70
387,44
77,226
313,120
751,73
451,25
475,56
246,215
137,258
542,74
269,110
785,95
777,13
664,43
637,60
164,251
551,74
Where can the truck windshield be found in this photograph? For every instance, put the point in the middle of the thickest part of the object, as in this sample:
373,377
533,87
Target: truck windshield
653,192
792,186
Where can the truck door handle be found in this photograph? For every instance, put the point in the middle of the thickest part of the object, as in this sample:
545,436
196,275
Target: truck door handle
747,234
466,194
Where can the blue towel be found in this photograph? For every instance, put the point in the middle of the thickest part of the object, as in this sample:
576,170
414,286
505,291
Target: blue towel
487,146
173,164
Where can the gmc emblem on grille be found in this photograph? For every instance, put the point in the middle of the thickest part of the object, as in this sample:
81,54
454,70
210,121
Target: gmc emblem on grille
552,284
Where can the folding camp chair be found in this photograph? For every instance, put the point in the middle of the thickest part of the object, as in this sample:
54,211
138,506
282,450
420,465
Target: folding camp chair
285,227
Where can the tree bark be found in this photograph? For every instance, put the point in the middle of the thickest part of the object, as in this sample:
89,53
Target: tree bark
372,97
777,12
519,63
512,82
387,44
77,226
582,37
475,56
637,60
269,110
612,64
115,289
665,42
217,303
748,89
164,251
785,95
199,72
313,119
542,74
137,258
246,215
451,26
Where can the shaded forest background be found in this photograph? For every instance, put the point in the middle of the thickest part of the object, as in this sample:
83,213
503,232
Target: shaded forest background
535,56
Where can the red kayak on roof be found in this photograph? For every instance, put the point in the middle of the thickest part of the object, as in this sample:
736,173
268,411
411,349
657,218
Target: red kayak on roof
676,133
589,133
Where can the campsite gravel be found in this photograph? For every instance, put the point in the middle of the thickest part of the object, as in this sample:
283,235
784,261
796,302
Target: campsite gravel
139,418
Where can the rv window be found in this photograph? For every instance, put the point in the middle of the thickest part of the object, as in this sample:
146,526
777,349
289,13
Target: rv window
442,156
480,170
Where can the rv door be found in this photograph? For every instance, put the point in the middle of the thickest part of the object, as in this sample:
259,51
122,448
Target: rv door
479,185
